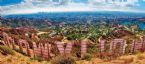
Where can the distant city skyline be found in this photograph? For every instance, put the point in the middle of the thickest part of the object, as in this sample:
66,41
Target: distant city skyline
34,6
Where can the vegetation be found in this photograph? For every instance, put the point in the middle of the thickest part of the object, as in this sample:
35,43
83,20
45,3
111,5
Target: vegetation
20,51
73,32
87,56
38,58
6,50
63,60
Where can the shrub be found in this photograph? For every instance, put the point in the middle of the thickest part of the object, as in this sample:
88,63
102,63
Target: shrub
20,51
9,60
39,58
63,60
87,57
44,36
93,49
6,50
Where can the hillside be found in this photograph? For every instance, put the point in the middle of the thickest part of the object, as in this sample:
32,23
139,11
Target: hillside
17,59
21,59
83,38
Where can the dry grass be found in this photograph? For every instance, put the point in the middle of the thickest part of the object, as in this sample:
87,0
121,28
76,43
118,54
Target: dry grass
18,59
140,56
127,59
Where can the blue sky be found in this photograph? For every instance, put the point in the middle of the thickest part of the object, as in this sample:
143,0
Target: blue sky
9,2
35,6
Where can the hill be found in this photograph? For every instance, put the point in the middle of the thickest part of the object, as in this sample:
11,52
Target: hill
126,59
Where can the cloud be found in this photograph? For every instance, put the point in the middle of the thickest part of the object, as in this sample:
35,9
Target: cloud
121,3
35,6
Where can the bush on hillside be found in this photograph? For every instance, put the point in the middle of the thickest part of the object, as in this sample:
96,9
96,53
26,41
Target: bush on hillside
6,50
63,60
39,58
20,51
87,56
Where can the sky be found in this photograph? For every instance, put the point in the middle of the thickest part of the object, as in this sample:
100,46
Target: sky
8,7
